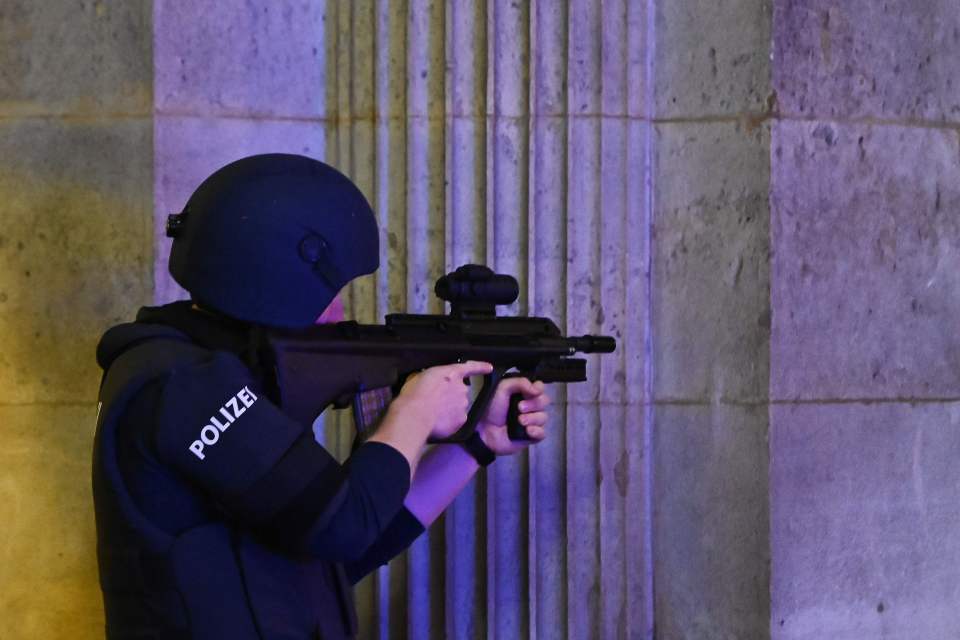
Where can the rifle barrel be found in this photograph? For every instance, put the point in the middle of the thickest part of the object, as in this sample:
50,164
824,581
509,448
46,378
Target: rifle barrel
594,344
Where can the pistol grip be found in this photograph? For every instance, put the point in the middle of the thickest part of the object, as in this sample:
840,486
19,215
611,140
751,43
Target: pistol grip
515,430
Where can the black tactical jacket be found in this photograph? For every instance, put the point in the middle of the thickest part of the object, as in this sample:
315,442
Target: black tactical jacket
217,515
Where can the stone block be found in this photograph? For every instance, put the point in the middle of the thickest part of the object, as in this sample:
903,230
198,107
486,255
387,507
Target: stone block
389,202
547,524
859,59
620,218
711,313
866,267
548,64
624,521
506,544
584,496
465,45
712,57
62,57
467,566
508,58
255,58
425,211
75,249
865,509
506,215
584,58
425,60
623,58
710,522
584,313
48,554
190,149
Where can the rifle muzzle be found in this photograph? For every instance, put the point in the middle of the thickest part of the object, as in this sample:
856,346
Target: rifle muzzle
594,344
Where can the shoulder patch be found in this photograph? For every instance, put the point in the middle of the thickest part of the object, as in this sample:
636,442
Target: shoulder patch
215,427
218,423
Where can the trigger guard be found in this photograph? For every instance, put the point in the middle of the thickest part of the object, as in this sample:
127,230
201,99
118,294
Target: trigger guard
479,407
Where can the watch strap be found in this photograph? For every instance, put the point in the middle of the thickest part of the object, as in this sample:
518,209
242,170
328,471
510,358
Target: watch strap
480,451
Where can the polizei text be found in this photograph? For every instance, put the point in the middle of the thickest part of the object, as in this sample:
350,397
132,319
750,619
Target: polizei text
220,422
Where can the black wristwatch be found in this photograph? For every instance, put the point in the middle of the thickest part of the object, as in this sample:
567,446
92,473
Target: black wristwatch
480,451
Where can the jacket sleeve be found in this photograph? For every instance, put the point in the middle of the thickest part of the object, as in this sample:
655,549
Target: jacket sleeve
266,471
399,534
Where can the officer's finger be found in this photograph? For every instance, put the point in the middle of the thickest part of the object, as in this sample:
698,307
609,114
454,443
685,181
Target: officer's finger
517,384
536,389
473,368
536,433
535,403
535,419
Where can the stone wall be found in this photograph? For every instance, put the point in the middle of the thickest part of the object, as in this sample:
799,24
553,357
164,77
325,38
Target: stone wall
75,257
758,198
865,196
711,318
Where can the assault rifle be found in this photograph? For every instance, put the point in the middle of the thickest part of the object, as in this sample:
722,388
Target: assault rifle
349,363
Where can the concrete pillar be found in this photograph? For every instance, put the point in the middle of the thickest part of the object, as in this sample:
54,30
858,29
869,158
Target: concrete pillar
711,319
514,134
75,257
865,503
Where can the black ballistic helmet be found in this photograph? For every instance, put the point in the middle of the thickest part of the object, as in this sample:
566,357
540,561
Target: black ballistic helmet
271,239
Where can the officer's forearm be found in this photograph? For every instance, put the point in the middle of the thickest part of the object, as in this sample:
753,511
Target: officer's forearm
402,531
443,473
370,495
404,429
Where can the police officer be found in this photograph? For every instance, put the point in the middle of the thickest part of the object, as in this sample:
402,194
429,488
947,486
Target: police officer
218,516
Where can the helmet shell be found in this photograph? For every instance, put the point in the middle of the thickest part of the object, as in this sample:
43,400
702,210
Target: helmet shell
270,239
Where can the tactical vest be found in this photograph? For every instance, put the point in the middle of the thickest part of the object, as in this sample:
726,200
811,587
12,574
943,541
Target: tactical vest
215,580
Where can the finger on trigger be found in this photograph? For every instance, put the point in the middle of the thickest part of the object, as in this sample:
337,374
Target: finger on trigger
475,368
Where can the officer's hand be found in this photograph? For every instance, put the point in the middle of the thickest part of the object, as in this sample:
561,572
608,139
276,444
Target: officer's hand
438,397
533,415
